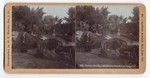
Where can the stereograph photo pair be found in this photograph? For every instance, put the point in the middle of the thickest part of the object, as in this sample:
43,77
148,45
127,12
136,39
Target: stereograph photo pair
75,38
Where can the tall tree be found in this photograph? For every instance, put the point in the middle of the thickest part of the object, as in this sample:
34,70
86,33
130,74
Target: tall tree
133,26
135,17
27,16
114,23
87,17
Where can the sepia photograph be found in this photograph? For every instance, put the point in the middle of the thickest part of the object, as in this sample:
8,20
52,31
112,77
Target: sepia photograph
75,36
43,37
107,37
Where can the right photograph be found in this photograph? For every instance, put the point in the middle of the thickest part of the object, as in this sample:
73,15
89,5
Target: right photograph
106,36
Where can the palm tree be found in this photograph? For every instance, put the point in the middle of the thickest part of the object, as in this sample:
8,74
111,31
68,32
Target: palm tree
114,23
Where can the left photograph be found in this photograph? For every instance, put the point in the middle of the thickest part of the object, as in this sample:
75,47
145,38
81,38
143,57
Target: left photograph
43,37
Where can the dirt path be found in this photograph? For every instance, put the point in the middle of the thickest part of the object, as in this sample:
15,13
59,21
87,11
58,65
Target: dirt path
24,60
93,59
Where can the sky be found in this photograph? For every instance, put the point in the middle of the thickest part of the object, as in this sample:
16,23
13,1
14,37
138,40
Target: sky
124,11
61,11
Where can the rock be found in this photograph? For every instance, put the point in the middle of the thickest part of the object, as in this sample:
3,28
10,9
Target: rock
96,51
32,51
113,53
